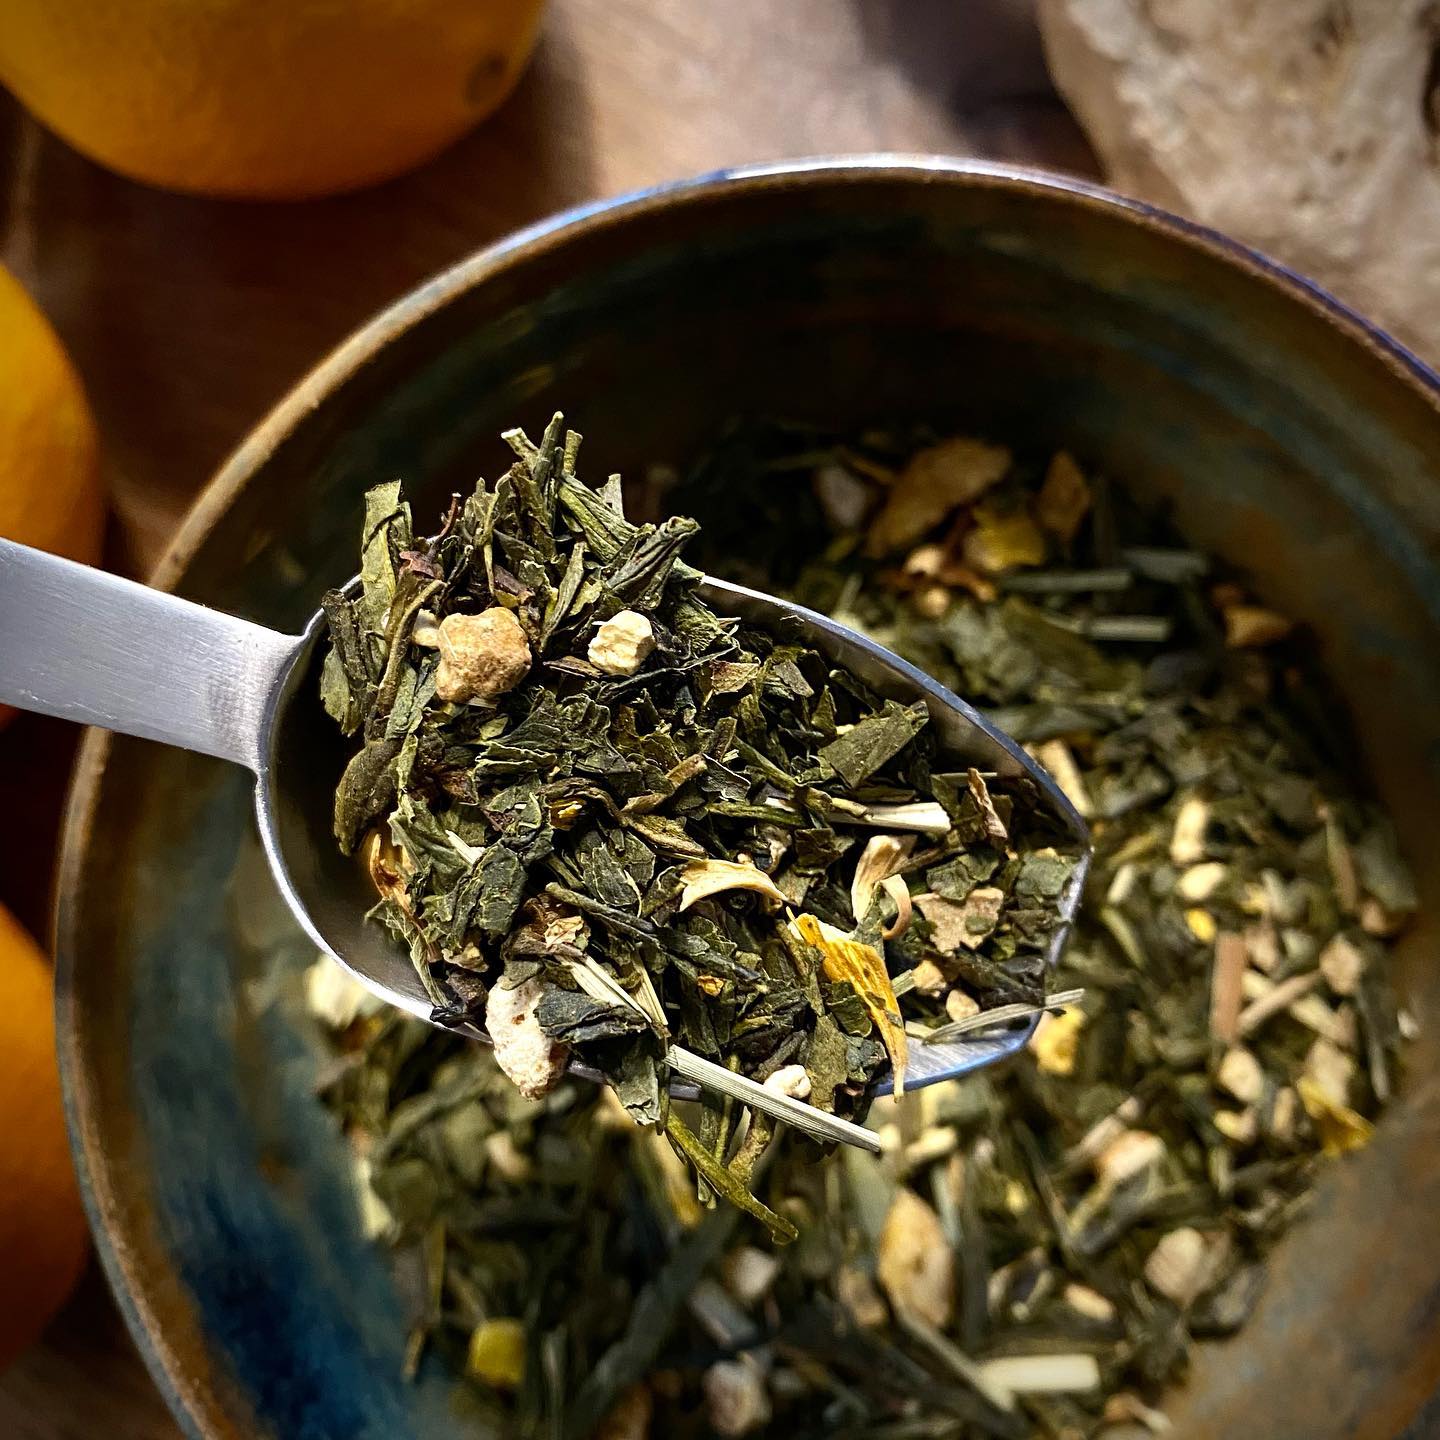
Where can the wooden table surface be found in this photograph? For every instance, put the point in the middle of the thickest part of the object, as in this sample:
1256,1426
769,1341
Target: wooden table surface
188,318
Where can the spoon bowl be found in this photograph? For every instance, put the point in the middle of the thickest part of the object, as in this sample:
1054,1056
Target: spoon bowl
85,645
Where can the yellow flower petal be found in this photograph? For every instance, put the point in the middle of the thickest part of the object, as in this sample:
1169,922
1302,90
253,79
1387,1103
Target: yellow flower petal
1202,924
1339,1127
864,967
497,1353
1056,1041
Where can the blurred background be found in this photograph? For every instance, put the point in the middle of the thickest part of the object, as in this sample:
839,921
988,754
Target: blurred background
294,181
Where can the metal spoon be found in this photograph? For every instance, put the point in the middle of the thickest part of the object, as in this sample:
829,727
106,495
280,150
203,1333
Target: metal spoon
86,645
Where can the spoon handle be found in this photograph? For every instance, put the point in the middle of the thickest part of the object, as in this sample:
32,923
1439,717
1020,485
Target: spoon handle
88,646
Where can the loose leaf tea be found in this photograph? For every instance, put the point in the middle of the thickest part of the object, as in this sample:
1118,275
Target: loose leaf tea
602,818
1036,1249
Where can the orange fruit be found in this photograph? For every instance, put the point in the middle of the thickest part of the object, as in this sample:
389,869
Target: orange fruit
263,98
43,1239
50,494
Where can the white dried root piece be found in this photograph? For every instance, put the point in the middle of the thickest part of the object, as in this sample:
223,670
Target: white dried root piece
856,1291
1284,1114
1129,1409
843,496
531,1058
426,630
932,1145
1059,762
792,1081
481,656
1130,1154
1200,882
1239,1127
964,922
1294,997
1330,1069
507,1159
710,877
622,644
1185,1263
1126,1164
960,1006
1342,963
736,1397
915,1266
1089,1303
749,1273
927,978
1098,1139
334,996
1043,1374
1241,1074
1187,840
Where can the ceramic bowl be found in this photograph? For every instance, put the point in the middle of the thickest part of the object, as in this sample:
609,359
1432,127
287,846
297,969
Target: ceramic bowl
1287,434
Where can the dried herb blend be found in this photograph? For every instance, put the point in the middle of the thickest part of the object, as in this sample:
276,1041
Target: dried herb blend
1036,1250
601,817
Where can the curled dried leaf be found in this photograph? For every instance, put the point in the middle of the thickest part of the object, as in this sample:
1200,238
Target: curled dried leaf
937,481
710,877
878,865
994,825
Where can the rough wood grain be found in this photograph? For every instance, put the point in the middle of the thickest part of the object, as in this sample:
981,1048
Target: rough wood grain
189,318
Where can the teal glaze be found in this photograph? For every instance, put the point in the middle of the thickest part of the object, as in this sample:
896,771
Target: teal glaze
222,1065
1284,433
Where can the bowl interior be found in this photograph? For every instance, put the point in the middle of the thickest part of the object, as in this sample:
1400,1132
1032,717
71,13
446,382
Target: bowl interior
1284,438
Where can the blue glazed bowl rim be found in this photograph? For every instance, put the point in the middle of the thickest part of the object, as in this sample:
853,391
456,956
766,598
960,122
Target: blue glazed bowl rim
191,1396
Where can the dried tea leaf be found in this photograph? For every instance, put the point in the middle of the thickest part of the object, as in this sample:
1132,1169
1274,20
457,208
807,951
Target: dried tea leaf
1050,1193
868,745
719,1179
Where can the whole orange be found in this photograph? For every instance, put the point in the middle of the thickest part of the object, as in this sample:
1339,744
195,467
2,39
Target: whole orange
50,494
263,98
43,1239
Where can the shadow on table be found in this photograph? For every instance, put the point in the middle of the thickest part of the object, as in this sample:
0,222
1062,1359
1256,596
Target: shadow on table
984,62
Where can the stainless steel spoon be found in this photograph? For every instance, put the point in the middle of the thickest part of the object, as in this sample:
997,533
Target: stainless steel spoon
86,645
